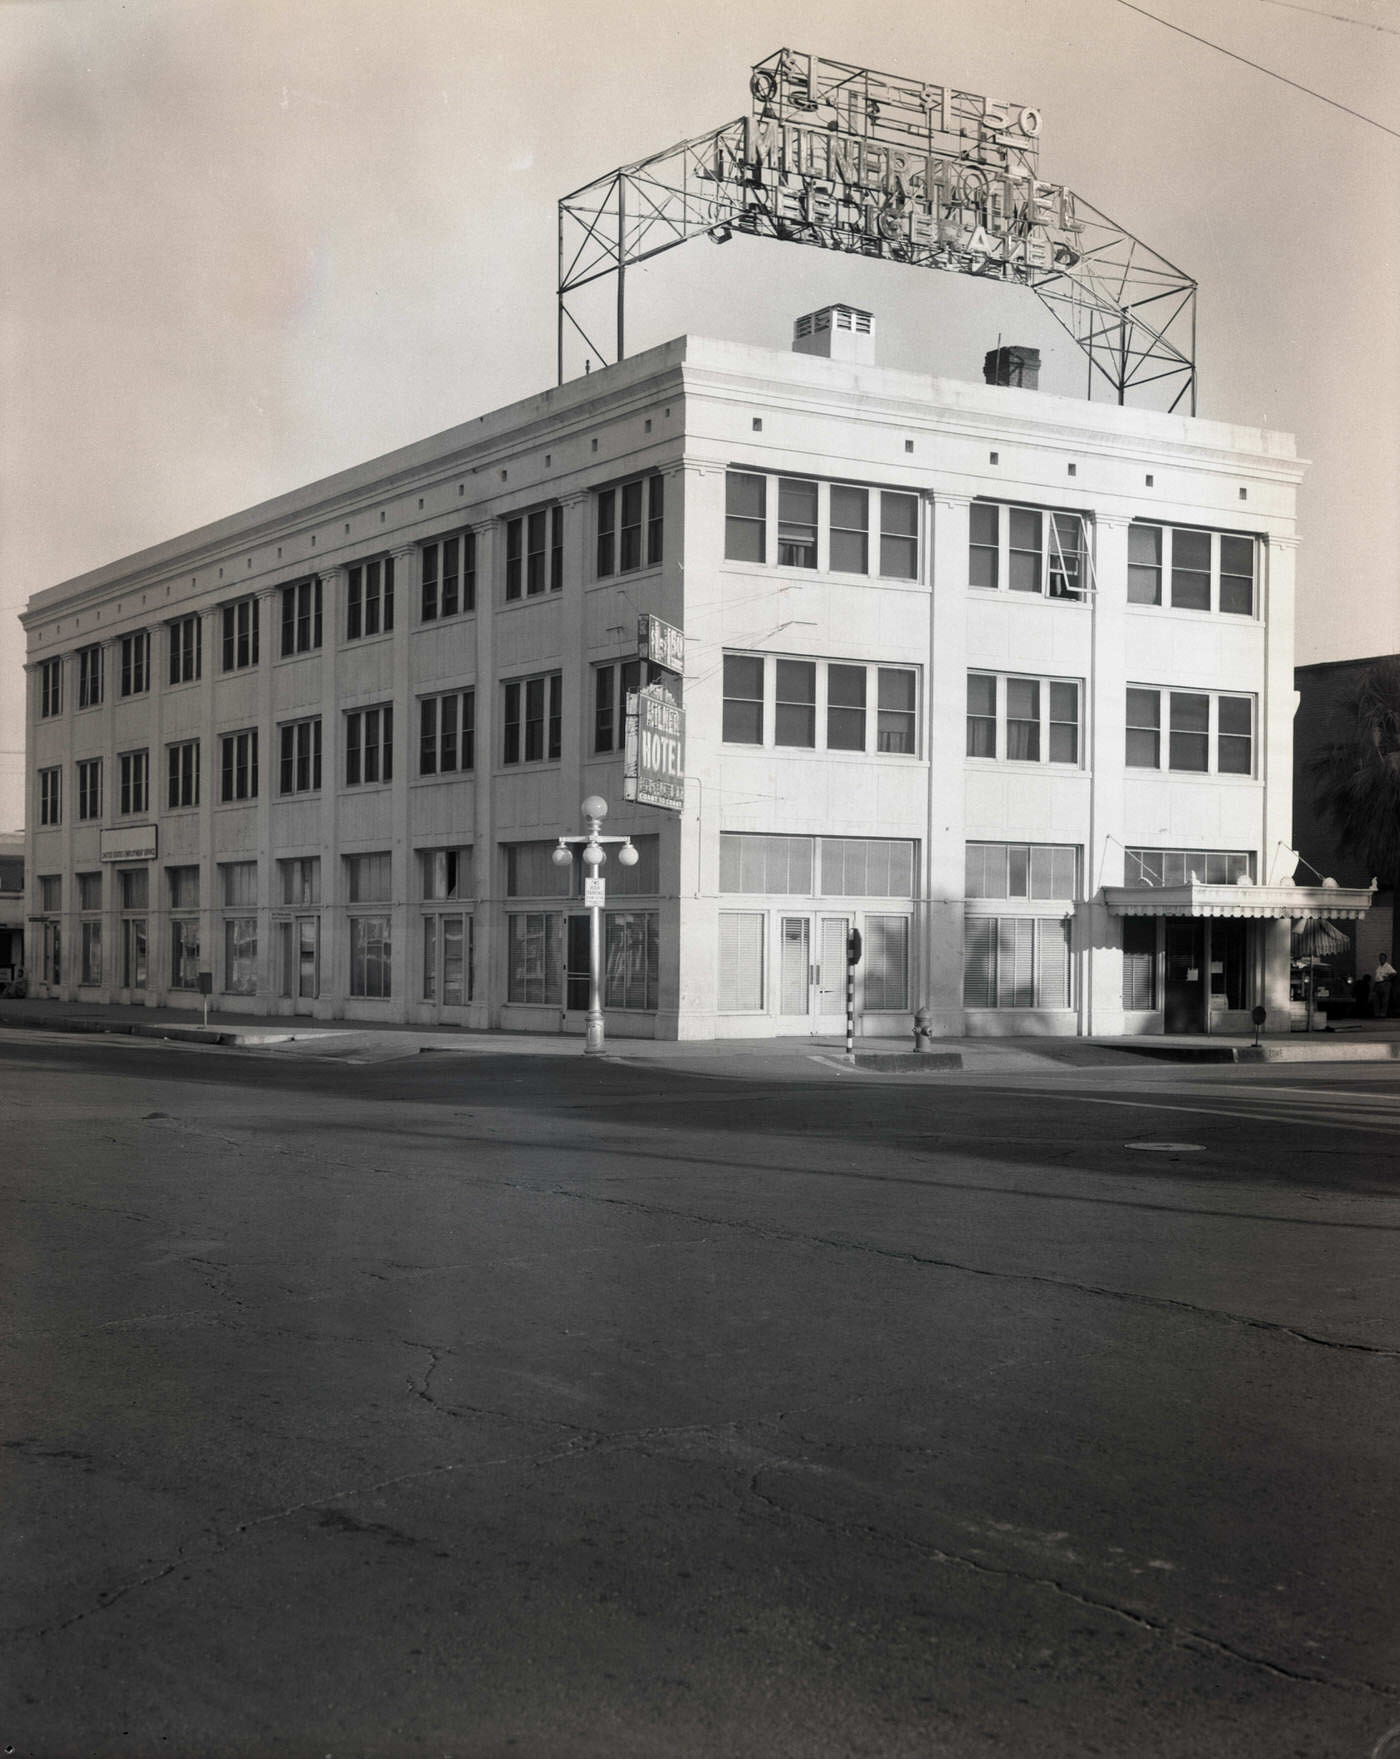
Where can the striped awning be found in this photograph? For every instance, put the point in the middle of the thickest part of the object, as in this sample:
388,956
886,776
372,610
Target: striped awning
1299,903
1319,937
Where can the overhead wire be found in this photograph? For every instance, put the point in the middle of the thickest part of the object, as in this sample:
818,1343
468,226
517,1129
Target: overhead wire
1260,68
1364,24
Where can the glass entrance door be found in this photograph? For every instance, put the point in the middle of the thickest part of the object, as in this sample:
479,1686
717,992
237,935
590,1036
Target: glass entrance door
301,960
831,973
1184,1000
812,973
576,965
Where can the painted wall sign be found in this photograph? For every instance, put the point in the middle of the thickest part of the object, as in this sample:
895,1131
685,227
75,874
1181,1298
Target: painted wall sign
128,843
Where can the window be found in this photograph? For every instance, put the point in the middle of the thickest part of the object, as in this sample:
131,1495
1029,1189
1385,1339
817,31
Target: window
532,873
369,878
795,721
1026,550
300,880
89,891
183,883
241,955
630,522
92,953
535,970
1139,962
1199,723
1024,720
51,891
448,958
830,697
240,632
238,765
611,686
238,882
885,964
867,867
751,863
51,796
1016,962
741,950
182,771
447,733
52,965
185,650
631,960
50,689
446,874
1206,570
745,517
449,576
532,719
301,617
90,788
1021,870
135,771
369,745
300,765
183,886
535,553
850,516
371,957
1179,867
136,663
369,604
89,677
135,888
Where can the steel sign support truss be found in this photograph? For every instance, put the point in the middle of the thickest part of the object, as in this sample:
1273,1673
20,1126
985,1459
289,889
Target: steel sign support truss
942,180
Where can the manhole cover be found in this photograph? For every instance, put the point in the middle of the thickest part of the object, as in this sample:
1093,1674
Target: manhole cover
1167,1147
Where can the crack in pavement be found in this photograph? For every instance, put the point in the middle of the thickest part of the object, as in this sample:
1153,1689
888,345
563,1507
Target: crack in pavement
836,1244
1180,1636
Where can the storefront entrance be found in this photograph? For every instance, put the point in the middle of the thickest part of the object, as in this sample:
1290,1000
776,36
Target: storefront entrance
1206,971
812,973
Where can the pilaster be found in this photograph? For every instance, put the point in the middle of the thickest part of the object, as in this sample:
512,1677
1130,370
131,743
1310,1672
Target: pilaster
1098,939
489,952
333,958
941,966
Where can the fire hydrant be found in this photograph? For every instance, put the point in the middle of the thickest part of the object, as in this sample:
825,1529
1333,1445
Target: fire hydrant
923,1037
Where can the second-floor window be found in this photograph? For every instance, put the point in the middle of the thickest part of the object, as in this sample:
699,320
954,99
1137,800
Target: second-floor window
532,720
51,796
89,677
535,553
1023,720
369,598
301,616
449,576
369,745
612,684
50,689
182,773
630,522
447,733
829,705
238,765
136,663
1023,549
1204,731
90,788
1191,570
134,772
240,634
185,650
300,756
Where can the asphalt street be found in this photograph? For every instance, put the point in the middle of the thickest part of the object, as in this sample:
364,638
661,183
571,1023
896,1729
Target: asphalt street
477,1406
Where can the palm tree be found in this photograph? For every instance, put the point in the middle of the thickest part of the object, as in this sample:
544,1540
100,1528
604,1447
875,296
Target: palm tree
1356,776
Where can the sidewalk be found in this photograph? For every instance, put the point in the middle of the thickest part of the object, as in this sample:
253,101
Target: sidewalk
757,1058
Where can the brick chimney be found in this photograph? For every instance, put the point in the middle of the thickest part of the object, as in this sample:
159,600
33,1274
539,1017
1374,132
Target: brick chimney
1012,366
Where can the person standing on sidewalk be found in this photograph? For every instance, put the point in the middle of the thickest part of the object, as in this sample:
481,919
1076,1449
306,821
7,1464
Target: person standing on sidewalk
1380,986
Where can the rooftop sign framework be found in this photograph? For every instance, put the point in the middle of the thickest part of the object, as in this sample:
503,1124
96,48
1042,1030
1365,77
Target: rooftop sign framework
883,166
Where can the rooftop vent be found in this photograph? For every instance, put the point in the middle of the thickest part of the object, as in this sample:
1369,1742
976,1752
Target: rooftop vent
1012,366
836,332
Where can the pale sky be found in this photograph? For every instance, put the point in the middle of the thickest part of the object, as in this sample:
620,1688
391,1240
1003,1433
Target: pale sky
247,243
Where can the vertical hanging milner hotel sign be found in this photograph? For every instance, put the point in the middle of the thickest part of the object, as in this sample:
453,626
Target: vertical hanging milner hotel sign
872,163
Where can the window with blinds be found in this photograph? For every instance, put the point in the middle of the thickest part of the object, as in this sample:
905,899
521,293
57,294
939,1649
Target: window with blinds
1021,870
867,867
885,964
741,961
1016,962
765,864
369,878
239,881
1140,962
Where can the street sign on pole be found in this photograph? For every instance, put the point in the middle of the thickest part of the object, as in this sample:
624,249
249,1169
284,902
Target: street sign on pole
594,893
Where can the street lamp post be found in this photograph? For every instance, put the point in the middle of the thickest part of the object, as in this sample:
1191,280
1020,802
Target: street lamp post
593,811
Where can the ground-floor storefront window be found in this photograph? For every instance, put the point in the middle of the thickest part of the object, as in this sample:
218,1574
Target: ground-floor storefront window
448,958
134,952
535,967
371,957
184,952
299,958
1016,962
241,955
631,959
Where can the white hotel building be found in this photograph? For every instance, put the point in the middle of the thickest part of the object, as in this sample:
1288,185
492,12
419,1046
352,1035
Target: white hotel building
1002,679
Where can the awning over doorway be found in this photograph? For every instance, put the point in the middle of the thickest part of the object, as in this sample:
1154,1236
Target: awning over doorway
1300,903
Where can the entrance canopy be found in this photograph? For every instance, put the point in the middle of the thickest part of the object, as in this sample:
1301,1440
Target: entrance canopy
1337,903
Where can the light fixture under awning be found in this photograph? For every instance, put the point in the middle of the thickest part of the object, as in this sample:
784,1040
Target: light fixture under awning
1339,903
